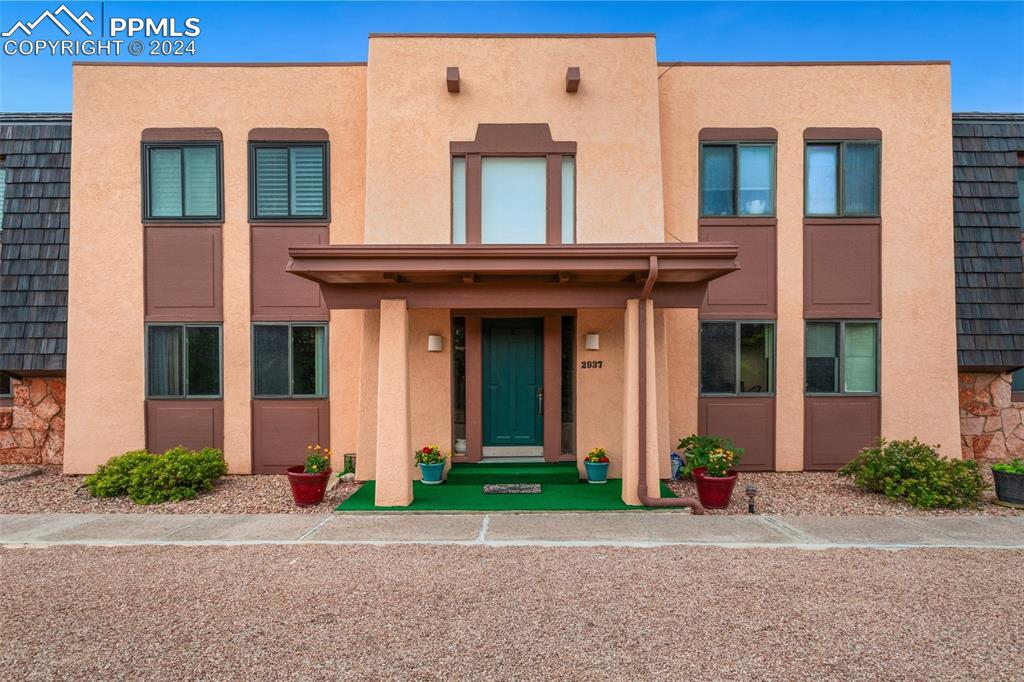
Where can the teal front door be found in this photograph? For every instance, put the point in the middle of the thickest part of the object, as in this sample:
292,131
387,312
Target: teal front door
513,375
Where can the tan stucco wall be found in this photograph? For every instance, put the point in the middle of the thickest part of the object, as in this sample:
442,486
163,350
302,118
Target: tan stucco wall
412,119
910,104
112,105
599,391
430,382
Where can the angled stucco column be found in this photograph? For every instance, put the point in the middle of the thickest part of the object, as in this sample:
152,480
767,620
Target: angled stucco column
631,403
394,452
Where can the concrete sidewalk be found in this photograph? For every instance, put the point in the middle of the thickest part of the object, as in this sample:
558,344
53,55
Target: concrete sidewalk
631,529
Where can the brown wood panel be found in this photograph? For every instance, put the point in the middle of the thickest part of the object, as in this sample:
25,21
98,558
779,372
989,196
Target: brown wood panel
474,388
837,427
552,387
276,293
554,204
503,296
195,424
750,291
748,422
840,134
842,271
281,430
183,278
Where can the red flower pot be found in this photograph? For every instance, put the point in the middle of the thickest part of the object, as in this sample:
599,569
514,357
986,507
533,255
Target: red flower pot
307,489
714,492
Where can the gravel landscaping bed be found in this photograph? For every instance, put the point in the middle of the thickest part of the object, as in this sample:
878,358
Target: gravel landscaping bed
826,494
52,491
807,493
469,613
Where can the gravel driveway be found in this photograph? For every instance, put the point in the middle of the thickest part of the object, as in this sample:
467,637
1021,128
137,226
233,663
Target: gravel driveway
315,612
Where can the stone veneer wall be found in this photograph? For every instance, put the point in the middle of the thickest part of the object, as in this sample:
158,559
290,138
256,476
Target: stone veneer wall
990,421
32,431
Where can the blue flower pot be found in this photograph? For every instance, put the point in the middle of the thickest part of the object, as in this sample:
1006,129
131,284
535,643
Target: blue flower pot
597,472
433,474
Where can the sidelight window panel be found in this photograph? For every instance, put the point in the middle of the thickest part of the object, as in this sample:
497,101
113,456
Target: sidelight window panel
822,193
717,180
756,168
568,199
459,200
183,361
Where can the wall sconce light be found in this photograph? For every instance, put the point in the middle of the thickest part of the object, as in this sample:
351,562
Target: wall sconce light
434,343
593,342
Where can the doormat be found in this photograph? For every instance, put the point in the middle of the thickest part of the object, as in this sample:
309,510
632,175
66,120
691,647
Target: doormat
507,488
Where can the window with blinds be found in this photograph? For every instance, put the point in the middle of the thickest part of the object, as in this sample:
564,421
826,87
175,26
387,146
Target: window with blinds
841,357
289,181
182,181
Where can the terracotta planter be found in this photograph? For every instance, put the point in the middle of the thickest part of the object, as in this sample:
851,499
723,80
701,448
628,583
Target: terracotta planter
307,489
714,492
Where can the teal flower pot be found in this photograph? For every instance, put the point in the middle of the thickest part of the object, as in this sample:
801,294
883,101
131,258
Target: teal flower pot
597,472
433,474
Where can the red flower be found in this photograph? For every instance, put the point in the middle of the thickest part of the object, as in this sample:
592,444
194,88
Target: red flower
603,459
425,451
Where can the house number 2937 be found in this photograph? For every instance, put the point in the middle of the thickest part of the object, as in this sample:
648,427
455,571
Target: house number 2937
591,364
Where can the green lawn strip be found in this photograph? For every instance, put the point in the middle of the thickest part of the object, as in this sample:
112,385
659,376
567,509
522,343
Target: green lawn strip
447,497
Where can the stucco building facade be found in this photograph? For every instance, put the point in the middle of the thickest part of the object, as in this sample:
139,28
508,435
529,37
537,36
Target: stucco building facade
612,251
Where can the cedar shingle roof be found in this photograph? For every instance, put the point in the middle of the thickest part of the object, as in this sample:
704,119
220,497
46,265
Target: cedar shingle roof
989,269
36,155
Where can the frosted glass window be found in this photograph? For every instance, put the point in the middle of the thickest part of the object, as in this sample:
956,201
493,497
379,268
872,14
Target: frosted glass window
568,200
200,181
860,178
165,183
717,180
822,189
513,200
860,358
755,179
459,200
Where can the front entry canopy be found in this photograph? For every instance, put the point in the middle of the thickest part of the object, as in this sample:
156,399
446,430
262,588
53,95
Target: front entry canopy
478,276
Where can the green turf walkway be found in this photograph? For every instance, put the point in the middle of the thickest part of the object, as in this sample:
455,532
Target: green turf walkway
561,491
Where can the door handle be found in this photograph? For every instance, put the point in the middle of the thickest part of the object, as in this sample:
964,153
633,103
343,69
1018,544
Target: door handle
540,402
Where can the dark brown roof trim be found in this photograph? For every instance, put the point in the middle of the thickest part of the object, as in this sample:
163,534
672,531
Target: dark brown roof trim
842,134
288,135
737,134
512,35
225,64
513,138
182,134
838,63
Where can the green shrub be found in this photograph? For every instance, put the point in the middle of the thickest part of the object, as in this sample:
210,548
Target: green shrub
912,471
1014,466
178,474
113,479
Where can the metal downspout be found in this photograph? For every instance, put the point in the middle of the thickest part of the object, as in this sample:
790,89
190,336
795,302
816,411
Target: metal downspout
641,486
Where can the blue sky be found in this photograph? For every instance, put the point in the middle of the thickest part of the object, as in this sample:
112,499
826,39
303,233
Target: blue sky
983,40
